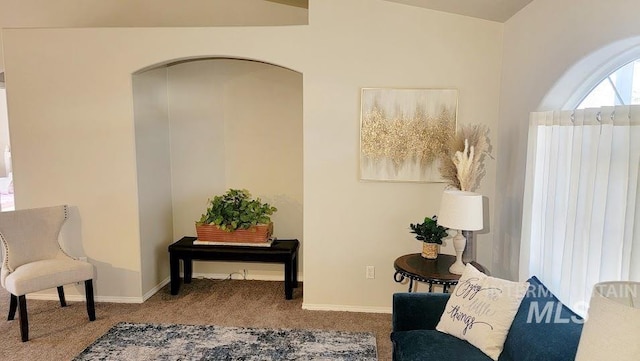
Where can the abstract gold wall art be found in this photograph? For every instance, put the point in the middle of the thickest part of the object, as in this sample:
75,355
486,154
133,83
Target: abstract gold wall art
404,132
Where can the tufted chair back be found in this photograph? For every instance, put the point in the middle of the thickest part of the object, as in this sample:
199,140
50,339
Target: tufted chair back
30,235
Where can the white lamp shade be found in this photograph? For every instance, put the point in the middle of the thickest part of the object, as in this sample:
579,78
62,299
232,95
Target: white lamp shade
461,210
612,330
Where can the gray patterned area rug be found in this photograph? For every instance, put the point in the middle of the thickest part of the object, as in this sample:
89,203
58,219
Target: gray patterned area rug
139,341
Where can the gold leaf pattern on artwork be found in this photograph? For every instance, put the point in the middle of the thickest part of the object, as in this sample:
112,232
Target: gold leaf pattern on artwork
419,137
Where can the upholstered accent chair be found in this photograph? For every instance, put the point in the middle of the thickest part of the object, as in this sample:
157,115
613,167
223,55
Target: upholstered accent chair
34,261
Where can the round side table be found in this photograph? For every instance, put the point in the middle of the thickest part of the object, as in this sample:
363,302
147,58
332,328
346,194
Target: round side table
431,271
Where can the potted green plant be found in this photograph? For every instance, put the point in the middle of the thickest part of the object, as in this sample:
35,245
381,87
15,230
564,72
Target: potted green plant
431,234
236,217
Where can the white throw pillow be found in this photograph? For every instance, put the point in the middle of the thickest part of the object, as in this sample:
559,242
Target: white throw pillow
481,310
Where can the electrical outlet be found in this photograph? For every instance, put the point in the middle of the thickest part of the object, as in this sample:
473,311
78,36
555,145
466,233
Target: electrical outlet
371,272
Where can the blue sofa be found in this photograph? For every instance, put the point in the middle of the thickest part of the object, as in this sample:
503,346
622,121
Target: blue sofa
543,329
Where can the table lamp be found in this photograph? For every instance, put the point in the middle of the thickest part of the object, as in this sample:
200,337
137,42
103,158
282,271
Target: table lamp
612,329
461,211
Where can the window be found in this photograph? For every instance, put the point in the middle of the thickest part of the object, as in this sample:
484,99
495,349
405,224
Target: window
622,87
581,217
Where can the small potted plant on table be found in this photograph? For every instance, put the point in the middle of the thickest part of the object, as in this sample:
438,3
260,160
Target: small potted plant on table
431,235
236,218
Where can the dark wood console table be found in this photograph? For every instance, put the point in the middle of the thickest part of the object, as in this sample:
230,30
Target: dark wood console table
281,251
432,271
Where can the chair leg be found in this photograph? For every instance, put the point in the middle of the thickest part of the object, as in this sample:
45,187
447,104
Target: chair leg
91,309
13,305
63,302
24,322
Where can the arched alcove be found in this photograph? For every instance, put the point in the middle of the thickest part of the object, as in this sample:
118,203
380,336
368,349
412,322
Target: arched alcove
203,126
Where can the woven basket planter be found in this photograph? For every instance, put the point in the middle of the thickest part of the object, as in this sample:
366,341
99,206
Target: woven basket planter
255,234
430,250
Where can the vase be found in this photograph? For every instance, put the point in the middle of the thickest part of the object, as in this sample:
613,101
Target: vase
469,254
430,250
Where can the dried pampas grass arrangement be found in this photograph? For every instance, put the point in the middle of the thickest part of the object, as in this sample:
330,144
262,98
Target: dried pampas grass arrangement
462,166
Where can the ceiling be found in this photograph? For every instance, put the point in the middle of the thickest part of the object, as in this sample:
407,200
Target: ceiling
494,10
296,3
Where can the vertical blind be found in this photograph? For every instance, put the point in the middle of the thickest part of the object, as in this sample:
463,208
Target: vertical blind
581,220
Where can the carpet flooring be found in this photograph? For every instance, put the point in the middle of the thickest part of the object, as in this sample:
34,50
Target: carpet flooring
63,333
149,342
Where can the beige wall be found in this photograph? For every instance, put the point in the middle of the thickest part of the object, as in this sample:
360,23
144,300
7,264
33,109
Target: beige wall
77,146
551,50
145,13
153,165
348,224
139,13
1,54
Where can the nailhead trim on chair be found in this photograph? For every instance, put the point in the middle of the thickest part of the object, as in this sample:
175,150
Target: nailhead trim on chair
66,216
6,252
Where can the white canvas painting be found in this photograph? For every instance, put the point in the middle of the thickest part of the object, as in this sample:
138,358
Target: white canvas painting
404,132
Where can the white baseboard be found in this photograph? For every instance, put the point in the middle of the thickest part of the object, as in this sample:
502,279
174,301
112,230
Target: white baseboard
327,307
118,299
155,289
81,298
